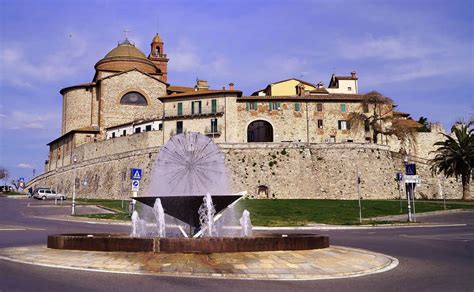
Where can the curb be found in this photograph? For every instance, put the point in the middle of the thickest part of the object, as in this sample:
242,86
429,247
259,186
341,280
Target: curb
393,263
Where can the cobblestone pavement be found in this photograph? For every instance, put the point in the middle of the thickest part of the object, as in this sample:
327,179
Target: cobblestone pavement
328,263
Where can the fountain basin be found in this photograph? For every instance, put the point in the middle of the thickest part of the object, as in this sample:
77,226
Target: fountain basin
125,243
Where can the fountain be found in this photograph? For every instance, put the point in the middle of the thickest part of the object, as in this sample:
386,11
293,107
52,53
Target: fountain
245,224
189,184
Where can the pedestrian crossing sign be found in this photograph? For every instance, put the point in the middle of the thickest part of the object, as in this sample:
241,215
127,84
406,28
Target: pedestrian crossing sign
136,174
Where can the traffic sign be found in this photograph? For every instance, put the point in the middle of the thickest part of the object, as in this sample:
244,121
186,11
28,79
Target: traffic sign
414,179
410,169
136,174
22,179
135,185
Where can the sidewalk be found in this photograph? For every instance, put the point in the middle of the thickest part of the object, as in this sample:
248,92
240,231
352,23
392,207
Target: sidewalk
328,263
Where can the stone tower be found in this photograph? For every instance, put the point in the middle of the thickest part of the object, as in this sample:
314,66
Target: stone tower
158,56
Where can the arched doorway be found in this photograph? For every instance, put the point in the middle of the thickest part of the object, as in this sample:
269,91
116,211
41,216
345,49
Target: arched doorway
260,131
263,192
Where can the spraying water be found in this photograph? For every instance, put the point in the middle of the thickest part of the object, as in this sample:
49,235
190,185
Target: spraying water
160,218
138,226
206,216
245,224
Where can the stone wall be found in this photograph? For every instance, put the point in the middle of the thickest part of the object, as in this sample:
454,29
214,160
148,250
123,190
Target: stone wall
288,170
77,109
304,123
113,88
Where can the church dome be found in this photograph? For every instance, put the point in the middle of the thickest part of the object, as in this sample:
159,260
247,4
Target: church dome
126,57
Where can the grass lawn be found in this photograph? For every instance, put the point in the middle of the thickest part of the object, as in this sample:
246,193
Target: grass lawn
115,205
301,212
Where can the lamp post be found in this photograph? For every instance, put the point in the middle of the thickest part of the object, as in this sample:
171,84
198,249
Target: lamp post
73,210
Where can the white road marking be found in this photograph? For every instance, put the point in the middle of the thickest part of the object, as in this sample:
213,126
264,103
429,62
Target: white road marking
464,237
17,228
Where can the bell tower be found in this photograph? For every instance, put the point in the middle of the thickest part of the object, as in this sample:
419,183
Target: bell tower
158,56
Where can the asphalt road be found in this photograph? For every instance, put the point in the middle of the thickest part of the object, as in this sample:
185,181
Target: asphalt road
434,259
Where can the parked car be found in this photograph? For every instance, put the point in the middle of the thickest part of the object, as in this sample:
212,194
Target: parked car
44,194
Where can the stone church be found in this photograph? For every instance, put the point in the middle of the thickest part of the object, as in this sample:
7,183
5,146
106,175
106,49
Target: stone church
130,109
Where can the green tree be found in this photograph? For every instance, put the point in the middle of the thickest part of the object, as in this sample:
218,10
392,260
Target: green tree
425,125
455,156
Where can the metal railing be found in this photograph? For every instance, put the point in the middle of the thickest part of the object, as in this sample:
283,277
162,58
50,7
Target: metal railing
213,130
187,112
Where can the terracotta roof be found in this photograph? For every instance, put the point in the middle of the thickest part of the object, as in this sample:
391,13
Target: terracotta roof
84,85
201,93
320,90
133,69
402,114
311,97
407,123
136,122
89,129
180,89
302,81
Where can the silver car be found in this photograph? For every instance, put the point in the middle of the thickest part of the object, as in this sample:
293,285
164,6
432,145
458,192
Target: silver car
43,194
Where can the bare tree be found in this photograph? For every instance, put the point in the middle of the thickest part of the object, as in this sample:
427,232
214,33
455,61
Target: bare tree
16,184
378,115
4,174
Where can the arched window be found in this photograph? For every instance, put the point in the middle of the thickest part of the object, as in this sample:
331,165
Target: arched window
133,98
260,131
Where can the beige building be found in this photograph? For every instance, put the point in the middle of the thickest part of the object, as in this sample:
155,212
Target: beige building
129,95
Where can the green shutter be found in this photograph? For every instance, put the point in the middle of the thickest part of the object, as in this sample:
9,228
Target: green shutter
247,105
270,106
200,107
278,104
192,107
297,106
180,108
214,106
343,107
255,105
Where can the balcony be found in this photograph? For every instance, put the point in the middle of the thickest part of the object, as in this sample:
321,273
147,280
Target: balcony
213,131
186,113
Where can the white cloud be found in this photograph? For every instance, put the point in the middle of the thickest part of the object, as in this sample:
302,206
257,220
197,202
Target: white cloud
403,58
25,165
22,69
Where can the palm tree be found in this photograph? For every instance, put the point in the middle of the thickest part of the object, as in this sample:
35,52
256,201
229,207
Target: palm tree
455,156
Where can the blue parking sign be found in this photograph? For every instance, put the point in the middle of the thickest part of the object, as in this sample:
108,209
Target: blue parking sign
136,174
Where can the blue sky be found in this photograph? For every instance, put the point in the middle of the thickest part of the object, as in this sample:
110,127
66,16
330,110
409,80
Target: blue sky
420,53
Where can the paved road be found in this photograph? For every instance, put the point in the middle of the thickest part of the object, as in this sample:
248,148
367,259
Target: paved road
434,259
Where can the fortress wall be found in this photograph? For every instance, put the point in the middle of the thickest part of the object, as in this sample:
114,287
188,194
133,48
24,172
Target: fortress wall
289,170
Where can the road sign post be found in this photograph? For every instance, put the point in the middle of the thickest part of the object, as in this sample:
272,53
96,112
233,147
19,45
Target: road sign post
135,176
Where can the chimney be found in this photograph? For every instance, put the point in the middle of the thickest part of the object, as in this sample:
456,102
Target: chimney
223,87
231,86
353,74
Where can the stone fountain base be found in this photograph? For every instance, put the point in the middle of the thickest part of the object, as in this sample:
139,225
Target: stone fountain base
125,243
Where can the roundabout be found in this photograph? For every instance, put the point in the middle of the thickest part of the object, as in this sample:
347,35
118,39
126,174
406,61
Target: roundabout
315,264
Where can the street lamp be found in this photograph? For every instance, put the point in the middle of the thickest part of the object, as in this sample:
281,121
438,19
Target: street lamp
73,210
